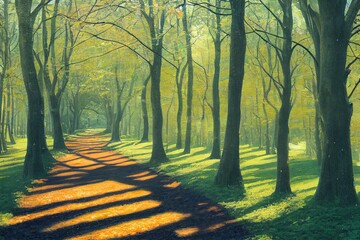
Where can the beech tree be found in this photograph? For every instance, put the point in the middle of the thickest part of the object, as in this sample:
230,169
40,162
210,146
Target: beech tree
158,154
333,22
33,165
190,68
229,168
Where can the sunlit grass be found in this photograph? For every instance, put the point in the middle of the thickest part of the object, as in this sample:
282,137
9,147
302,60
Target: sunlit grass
12,184
267,217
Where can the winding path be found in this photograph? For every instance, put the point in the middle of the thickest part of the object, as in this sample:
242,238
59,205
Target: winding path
94,193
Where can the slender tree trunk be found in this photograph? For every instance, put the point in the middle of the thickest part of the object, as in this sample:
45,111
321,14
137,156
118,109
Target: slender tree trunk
283,172
3,125
229,168
267,136
115,133
13,120
180,107
8,114
215,152
187,146
158,154
59,142
275,133
145,116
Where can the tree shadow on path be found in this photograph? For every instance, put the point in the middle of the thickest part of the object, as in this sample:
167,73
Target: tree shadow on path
98,194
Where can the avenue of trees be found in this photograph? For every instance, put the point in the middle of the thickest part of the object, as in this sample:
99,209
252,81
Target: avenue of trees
183,74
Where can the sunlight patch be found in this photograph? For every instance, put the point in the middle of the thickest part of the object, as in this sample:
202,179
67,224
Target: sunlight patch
110,212
187,232
82,205
135,227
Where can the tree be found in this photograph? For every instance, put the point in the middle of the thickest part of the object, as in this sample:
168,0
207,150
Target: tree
229,168
33,165
145,136
158,154
190,68
285,54
55,85
120,108
334,23
5,50
215,152
315,36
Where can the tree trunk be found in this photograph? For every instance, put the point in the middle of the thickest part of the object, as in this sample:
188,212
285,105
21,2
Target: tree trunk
187,146
283,172
13,119
3,125
180,107
145,116
215,152
115,132
33,165
108,115
267,136
8,114
229,168
59,142
158,154
336,183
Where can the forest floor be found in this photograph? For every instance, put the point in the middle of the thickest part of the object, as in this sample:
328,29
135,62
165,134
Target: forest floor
262,214
93,193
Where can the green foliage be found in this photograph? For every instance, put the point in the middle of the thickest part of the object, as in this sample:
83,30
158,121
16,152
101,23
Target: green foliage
291,217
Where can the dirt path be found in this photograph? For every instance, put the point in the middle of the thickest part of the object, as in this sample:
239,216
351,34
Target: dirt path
99,194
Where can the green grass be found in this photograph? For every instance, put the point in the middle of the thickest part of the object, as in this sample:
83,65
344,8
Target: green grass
266,217
12,184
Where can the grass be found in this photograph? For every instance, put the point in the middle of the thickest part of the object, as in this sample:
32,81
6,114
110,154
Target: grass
12,184
266,217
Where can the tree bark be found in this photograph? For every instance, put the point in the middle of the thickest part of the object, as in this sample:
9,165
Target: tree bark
229,168
215,152
59,142
33,165
8,114
158,154
145,116
283,172
336,183
187,146
267,136
3,125
115,133
179,84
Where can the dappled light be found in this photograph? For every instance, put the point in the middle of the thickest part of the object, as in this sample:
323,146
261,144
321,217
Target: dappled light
92,193
165,120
